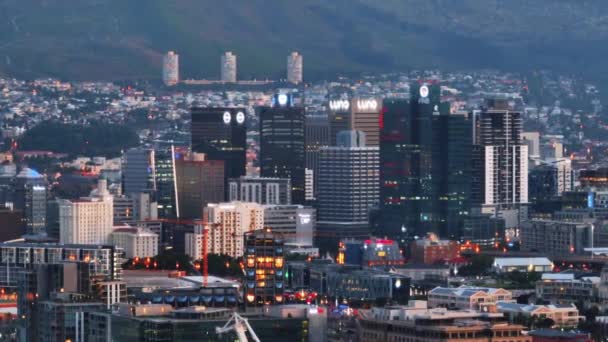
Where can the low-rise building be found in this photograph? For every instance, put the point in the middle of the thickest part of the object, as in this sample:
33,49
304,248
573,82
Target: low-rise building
136,242
370,252
562,315
505,265
464,297
565,288
554,335
431,250
416,323
348,281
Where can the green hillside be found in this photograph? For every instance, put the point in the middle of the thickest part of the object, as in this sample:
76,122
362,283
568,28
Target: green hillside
119,39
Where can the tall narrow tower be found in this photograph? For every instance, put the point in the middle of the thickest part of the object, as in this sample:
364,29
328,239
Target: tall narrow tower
294,68
228,67
170,68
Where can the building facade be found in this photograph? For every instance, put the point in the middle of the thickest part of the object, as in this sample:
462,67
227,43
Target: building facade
88,220
282,145
295,68
501,160
170,75
198,182
136,242
349,186
221,134
261,190
468,298
264,261
228,67
228,222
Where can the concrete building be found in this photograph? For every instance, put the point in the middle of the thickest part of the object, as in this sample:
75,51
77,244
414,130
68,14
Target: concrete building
264,261
170,73
506,265
348,281
532,139
309,176
349,186
296,223
228,222
356,114
89,220
500,162
559,237
431,250
468,298
372,252
564,316
136,242
417,323
261,190
565,288
228,67
20,257
295,68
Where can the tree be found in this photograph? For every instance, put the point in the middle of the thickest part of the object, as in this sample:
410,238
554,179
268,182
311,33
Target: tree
480,265
544,323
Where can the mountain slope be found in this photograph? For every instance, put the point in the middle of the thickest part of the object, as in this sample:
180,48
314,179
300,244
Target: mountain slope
119,39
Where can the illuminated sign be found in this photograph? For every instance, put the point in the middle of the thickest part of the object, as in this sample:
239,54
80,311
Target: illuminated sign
240,117
339,105
227,117
38,188
304,218
424,91
282,99
367,105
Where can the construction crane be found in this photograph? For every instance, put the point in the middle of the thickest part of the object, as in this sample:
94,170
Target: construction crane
240,326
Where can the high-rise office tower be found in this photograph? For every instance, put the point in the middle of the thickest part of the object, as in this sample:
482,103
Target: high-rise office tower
294,68
228,223
260,190
532,139
30,197
501,161
138,170
452,153
228,67
198,182
264,261
89,220
405,162
221,134
164,162
550,179
349,185
360,114
316,133
170,68
282,144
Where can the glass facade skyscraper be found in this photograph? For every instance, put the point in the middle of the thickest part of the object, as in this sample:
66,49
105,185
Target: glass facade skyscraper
221,134
282,147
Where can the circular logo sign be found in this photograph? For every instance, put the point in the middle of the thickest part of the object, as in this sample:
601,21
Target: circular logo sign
424,91
240,117
282,99
227,117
